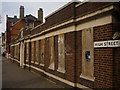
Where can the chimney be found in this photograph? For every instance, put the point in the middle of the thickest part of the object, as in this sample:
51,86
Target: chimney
15,17
21,12
6,17
40,15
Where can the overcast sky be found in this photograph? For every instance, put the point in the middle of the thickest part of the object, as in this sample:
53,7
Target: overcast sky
12,8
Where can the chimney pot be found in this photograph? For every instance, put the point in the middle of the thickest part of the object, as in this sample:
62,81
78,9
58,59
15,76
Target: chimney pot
21,6
40,9
15,16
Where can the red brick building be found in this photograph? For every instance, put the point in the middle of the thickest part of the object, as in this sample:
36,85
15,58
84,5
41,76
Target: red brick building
14,25
78,45
10,22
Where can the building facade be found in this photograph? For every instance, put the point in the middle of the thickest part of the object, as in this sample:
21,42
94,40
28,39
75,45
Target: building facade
9,23
14,25
78,45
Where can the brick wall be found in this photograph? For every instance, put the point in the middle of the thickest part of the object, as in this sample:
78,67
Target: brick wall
16,28
39,52
64,14
104,58
116,68
70,56
47,54
89,7
116,59
8,36
78,55
103,64
102,33
26,32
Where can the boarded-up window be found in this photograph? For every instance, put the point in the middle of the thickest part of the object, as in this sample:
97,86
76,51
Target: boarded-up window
32,60
37,49
51,45
42,52
18,51
15,51
61,54
34,51
11,51
27,52
87,54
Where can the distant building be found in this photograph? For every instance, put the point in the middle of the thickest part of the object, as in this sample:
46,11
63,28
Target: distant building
9,24
0,45
15,25
4,43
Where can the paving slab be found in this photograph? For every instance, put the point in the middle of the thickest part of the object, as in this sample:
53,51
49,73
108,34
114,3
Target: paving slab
15,77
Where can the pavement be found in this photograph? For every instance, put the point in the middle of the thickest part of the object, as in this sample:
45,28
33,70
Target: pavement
15,77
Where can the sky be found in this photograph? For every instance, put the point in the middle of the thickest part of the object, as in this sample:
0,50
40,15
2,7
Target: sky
12,8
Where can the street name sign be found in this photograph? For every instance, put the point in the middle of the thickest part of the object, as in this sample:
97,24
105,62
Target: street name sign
110,43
